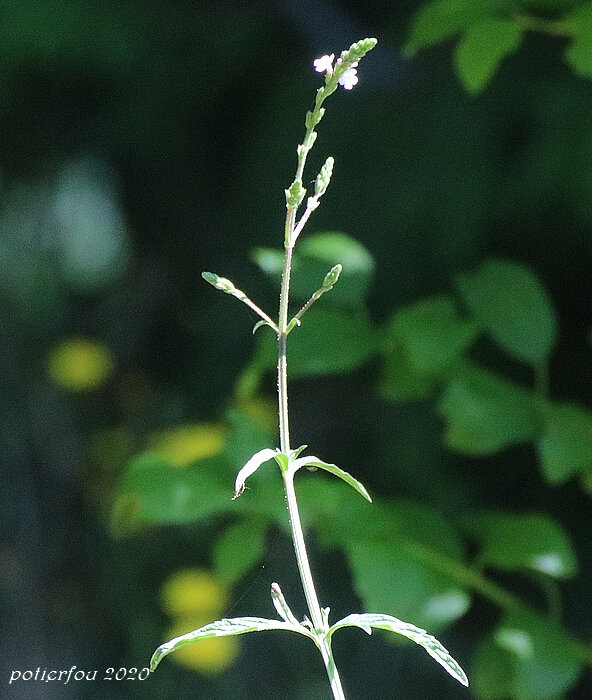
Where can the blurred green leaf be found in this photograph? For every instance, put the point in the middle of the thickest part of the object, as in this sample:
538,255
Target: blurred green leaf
315,255
394,550
400,380
508,301
389,577
246,437
565,447
492,677
327,342
579,52
546,659
240,547
432,334
482,48
439,20
524,541
153,491
485,413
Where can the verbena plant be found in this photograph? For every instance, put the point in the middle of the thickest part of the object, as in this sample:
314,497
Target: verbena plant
316,626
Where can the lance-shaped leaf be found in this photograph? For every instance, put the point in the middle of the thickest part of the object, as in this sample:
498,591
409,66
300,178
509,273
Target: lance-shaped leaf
333,469
280,604
386,622
225,628
250,468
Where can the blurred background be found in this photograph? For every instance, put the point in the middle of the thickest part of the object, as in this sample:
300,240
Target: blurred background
143,142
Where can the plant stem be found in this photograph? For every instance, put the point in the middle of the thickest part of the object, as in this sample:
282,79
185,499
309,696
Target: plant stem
306,578
309,587
297,535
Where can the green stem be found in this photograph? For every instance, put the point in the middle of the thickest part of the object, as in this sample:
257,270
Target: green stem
306,578
309,588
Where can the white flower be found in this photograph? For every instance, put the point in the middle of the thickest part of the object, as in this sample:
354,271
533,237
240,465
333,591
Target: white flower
324,64
348,79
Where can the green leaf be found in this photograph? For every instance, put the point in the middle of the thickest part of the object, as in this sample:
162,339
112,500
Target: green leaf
239,549
225,628
432,334
153,491
579,52
485,413
526,541
333,469
493,672
367,621
314,254
508,301
566,444
250,468
400,380
546,659
281,606
327,342
482,48
391,577
246,437
422,342
439,20
399,554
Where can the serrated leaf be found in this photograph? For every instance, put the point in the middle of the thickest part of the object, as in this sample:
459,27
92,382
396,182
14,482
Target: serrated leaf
224,628
250,468
525,541
332,469
546,660
439,20
392,624
486,413
482,48
510,303
240,547
565,447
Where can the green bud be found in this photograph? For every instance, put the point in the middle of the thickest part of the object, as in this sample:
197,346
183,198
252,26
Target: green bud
324,177
358,50
331,277
220,283
295,194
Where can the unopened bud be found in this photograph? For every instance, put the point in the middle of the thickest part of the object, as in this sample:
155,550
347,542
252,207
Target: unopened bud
220,283
331,277
324,177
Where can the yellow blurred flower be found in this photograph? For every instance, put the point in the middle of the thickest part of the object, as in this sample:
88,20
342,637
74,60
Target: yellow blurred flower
186,444
209,656
191,592
80,364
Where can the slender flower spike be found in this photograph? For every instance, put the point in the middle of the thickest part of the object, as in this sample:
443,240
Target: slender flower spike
324,64
349,78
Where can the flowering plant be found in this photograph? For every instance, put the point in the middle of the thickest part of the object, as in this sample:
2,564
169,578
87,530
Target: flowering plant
316,626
